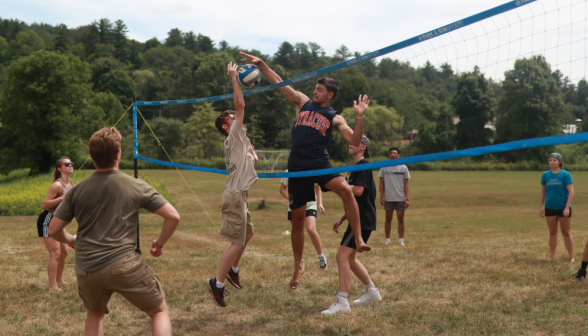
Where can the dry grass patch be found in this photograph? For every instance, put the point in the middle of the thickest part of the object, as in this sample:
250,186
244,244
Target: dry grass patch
475,263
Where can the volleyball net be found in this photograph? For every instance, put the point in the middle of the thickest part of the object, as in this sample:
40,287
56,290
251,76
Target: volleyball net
517,56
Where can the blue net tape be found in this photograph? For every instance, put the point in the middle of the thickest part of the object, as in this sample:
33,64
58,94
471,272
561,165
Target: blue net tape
508,146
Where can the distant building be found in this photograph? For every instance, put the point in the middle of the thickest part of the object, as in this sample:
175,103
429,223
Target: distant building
572,128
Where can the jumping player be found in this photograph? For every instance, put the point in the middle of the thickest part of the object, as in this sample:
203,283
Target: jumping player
364,190
315,122
240,159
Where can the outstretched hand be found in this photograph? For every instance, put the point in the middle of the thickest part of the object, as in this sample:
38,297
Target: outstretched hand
253,59
232,69
360,105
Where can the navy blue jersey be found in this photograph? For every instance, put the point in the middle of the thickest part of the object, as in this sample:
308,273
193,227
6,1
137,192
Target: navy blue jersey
310,136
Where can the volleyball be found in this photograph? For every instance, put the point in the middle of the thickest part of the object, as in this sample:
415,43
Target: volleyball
249,76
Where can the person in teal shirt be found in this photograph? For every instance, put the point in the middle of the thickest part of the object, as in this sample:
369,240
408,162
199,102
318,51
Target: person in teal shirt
557,193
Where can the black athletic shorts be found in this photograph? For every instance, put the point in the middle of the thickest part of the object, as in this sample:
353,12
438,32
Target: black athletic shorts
349,238
309,213
301,189
43,224
558,213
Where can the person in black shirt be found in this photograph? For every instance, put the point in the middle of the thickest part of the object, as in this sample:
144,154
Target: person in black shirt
315,122
364,189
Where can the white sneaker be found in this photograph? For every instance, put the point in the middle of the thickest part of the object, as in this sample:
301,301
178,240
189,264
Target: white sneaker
402,244
340,305
323,262
387,241
371,295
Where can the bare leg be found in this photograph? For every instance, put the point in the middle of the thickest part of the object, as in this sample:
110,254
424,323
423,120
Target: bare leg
388,223
585,255
231,257
400,217
54,249
61,264
297,236
359,270
160,322
343,256
565,224
314,236
340,187
552,224
94,324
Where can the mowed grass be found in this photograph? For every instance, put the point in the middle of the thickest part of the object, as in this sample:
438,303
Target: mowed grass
475,262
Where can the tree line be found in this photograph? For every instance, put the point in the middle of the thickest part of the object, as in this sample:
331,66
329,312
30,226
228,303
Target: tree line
59,84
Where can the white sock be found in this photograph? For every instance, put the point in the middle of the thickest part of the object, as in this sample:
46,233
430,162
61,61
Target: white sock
220,284
401,240
235,269
370,285
387,240
322,255
343,295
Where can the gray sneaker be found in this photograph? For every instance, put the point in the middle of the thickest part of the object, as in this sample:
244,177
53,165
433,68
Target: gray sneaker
323,262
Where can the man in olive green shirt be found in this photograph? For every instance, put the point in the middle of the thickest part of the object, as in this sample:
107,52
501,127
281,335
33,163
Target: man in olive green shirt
106,206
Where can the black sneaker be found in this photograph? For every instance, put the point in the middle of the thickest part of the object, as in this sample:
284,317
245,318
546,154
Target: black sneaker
581,275
218,294
234,279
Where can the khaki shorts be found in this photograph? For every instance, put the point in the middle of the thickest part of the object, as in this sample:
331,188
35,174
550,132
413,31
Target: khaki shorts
236,217
129,276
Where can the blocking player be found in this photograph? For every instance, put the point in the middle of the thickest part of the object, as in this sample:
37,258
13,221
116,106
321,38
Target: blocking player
315,122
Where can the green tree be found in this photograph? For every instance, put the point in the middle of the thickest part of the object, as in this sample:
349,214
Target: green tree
205,44
170,133
203,140
25,43
174,38
191,41
120,42
63,40
44,111
120,84
436,131
113,110
532,106
473,103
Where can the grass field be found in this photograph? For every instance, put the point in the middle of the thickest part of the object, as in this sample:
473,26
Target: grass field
475,263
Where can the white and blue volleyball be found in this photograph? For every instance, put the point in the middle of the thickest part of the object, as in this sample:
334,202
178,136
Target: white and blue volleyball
249,75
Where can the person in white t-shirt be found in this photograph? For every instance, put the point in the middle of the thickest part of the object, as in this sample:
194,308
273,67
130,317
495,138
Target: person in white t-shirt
240,159
311,214
394,194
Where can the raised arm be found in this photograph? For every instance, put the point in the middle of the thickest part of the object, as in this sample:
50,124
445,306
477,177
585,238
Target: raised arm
296,98
353,136
237,93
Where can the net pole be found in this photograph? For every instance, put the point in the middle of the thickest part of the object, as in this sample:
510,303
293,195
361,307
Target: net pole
136,165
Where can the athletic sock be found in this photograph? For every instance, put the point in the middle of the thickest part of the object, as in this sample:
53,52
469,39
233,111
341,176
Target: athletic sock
401,240
584,264
220,284
370,285
321,255
387,241
235,269
343,295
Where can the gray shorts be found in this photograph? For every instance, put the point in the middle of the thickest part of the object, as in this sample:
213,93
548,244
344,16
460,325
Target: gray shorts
391,206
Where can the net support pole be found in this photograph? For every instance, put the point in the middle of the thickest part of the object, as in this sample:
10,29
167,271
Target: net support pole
136,166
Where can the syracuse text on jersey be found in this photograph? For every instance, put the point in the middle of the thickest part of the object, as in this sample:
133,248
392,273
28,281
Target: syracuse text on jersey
315,120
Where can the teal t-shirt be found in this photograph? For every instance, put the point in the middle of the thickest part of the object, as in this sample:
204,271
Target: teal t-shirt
556,193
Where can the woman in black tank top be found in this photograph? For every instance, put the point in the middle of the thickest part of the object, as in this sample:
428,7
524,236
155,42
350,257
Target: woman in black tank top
57,251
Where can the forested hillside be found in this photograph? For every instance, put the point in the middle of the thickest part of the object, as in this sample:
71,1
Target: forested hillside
60,84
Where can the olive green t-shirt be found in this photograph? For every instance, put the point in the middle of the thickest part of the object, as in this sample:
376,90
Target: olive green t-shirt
106,206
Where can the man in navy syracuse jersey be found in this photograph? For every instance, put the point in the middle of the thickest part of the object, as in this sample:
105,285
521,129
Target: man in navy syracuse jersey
315,122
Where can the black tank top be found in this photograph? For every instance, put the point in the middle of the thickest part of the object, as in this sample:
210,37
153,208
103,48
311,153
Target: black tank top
310,136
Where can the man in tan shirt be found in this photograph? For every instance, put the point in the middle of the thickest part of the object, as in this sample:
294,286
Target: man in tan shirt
240,159
106,206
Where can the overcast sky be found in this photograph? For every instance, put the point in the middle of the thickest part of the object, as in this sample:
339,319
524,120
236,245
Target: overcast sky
362,26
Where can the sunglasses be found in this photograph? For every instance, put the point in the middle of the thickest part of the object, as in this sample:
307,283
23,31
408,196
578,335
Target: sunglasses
68,164
232,116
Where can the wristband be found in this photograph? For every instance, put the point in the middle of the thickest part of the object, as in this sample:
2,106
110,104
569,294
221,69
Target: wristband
158,244
356,117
